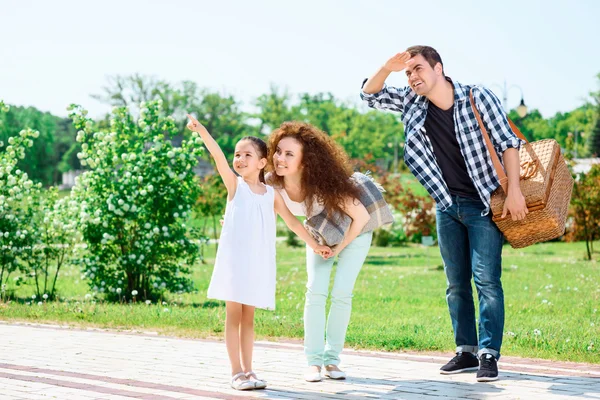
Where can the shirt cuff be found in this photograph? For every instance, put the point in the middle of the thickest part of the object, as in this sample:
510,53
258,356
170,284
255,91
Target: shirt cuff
369,96
512,143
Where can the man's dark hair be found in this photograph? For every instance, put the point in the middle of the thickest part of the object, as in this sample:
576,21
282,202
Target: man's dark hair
429,53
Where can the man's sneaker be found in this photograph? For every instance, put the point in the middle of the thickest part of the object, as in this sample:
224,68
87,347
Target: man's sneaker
460,363
488,368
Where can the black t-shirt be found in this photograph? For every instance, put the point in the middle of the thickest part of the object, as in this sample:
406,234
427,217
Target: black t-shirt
439,126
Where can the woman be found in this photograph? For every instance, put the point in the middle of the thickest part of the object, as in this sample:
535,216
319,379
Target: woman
312,173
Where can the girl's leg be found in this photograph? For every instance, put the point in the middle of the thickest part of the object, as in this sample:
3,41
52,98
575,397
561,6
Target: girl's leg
232,334
247,337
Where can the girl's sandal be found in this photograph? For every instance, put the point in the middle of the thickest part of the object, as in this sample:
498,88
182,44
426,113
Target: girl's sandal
239,384
259,383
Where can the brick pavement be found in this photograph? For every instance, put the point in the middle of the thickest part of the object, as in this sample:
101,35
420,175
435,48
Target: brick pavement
44,361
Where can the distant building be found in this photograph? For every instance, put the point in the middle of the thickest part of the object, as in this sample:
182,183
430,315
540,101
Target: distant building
68,179
584,164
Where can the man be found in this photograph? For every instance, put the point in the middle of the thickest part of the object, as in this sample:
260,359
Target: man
445,150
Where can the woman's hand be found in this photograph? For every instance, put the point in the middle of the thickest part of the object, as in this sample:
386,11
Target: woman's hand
323,251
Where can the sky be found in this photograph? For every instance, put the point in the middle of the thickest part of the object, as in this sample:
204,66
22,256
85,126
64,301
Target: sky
54,53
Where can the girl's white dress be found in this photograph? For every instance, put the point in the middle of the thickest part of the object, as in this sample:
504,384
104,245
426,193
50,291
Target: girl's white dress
244,269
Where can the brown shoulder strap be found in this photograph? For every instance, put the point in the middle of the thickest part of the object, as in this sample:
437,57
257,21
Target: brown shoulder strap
495,159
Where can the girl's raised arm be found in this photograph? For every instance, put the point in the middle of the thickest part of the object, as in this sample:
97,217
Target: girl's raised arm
228,176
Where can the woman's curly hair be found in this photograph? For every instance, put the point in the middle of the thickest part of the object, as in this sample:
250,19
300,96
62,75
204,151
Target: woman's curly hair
326,168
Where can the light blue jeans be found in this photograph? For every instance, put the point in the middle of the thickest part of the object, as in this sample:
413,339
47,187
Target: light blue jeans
324,343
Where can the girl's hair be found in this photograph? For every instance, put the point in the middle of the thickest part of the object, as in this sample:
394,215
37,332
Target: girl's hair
325,166
261,149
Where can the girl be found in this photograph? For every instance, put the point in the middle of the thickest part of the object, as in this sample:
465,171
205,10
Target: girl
244,272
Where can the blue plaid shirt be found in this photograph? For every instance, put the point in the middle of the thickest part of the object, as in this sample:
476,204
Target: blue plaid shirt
418,152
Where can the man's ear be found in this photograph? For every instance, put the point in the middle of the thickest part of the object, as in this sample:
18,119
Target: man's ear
438,69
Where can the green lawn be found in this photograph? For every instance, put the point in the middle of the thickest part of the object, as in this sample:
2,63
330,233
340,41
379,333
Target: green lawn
552,299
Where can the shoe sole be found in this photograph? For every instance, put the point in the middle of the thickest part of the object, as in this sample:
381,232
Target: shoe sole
243,388
341,378
458,371
487,379
313,380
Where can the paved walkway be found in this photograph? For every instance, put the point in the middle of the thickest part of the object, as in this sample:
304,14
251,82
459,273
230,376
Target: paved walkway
42,361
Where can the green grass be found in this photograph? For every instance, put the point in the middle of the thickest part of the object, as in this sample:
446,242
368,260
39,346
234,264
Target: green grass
399,303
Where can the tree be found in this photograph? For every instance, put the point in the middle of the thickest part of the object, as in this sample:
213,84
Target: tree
220,114
594,144
273,109
42,159
585,208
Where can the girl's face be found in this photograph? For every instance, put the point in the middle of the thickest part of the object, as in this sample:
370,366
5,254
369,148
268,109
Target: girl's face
288,157
246,161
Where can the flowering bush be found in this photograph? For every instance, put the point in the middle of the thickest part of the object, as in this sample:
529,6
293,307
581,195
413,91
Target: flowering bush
18,196
56,235
135,199
417,212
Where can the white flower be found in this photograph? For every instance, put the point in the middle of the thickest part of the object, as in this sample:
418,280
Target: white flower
165,310
537,332
33,296
118,290
40,303
134,292
148,302
45,296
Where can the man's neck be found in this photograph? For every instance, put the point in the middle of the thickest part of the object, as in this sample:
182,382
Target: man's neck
442,95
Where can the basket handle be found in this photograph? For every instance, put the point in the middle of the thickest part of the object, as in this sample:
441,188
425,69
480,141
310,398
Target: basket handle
530,168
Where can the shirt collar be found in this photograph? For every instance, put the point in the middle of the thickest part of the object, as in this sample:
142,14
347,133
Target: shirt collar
461,93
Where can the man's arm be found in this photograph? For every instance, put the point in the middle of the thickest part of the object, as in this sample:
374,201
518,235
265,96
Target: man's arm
495,120
377,95
506,143
515,201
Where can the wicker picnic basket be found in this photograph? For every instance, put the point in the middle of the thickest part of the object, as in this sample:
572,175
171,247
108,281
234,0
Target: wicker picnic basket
546,184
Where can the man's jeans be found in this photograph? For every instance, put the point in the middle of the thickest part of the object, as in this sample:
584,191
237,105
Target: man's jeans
471,246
